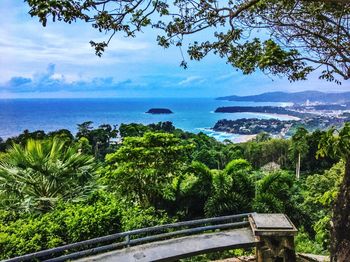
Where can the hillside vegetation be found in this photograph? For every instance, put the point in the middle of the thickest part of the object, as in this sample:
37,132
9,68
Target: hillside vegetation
58,188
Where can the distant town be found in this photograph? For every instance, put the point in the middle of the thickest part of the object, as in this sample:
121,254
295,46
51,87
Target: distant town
330,110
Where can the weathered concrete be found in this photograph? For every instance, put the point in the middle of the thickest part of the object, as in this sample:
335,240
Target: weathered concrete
275,233
271,221
173,249
312,258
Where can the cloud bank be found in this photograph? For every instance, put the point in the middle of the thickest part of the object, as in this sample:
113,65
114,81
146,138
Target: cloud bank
57,61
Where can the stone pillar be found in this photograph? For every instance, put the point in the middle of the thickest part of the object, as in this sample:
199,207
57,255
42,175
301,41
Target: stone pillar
275,233
276,249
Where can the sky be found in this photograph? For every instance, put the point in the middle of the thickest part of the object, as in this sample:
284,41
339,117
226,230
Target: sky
57,61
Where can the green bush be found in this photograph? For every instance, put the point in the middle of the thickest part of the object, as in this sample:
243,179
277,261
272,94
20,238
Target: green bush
100,215
135,217
68,223
305,244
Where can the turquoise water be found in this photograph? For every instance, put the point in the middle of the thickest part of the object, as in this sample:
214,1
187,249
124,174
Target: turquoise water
190,114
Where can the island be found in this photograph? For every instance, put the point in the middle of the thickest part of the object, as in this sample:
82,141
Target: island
159,111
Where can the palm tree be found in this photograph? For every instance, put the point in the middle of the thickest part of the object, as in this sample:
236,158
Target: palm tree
274,193
37,175
233,190
299,147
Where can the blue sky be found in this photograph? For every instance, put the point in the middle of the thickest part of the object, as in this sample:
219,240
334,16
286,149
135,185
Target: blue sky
57,61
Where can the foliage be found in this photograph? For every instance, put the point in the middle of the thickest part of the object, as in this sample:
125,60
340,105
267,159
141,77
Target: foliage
158,174
299,144
233,190
277,193
320,192
305,244
312,162
143,166
262,153
101,214
22,138
135,217
262,137
300,34
68,223
273,192
336,143
218,256
191,191
298,148
238,166
212,153
208,157
37,175
99,138
133,129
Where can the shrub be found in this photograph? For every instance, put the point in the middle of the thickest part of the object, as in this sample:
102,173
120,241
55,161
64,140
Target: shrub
68,223
305,244
135,217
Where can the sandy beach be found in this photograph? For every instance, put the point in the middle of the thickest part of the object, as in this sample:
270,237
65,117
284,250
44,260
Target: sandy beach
243,138
280,116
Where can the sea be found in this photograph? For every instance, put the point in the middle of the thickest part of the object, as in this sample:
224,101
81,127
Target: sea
190,114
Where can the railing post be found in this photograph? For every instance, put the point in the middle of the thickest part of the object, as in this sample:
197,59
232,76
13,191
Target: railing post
275,233
127,240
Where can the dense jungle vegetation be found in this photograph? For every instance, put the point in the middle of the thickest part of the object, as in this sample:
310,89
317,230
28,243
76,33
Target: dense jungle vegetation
57,188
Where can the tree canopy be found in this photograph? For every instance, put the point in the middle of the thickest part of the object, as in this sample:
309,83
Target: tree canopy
145,165
296,37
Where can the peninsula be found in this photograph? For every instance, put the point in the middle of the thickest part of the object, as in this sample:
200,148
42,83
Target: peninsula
260,109
297,97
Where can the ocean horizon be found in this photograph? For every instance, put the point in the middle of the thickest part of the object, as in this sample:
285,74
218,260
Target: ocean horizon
50,114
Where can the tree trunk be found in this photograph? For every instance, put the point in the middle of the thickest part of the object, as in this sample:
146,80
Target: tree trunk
340,239
297,171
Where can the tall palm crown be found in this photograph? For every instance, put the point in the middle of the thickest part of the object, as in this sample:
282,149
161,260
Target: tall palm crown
37,175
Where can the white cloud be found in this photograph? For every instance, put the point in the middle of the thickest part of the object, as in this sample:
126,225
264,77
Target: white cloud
191,80
27,47
52,81
226,76
60,48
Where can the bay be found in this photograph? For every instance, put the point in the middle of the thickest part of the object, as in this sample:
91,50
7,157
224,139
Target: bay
190,114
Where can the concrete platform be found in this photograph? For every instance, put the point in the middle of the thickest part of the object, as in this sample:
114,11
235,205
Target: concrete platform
174,249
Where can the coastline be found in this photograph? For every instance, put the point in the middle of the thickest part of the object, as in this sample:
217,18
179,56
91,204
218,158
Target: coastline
286,117
277,116
221,136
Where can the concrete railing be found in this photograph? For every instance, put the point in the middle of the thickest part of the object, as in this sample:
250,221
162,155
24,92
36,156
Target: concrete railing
136,237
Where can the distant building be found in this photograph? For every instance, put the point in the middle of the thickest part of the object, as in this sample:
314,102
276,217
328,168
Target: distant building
271,167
